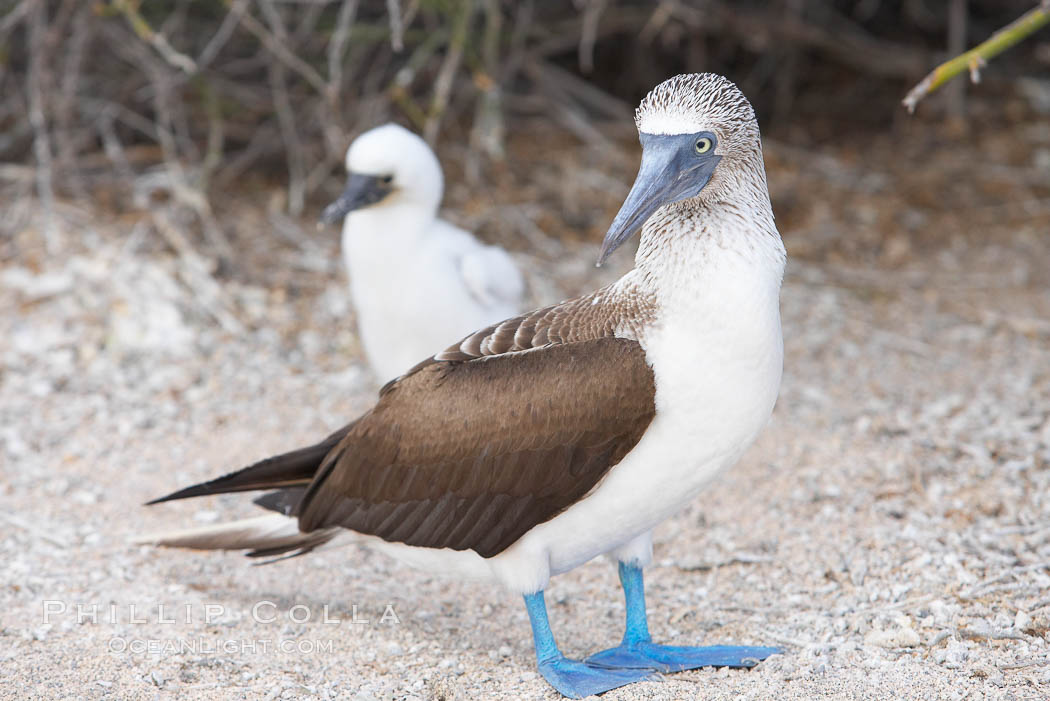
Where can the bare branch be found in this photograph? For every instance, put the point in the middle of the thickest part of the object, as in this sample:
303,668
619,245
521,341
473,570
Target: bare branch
304,31
41,140
222,34
397,26
286,118
337,46
130,10
162,84
443,83
655,24
592,14
16,15
487,133
292,148
216,135
274,46
63,112
111,145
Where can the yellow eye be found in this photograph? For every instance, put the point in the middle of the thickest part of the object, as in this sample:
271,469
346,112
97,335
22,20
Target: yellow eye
703,145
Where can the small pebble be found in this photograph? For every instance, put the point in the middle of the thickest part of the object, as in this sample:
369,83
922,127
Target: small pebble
893,638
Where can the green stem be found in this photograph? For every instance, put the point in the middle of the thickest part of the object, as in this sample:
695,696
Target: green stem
977,57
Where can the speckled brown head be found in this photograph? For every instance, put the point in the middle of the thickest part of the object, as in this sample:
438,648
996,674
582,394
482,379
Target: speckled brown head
699,140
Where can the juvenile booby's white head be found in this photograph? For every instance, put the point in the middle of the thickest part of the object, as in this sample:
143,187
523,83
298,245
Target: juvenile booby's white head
388,165
700,141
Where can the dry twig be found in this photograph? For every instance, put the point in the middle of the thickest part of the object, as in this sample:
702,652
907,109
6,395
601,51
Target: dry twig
443,83
487,133
592,14
337,47
283,54
41,140
397,27
130,10
282,105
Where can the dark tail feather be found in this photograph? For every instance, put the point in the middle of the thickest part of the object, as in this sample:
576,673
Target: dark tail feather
294,469
283,501
270,536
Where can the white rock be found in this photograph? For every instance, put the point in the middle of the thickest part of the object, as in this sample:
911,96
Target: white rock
35,287
893,638
942,612
955,655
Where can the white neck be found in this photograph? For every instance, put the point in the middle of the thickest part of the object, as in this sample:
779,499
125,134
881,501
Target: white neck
372,237
689,240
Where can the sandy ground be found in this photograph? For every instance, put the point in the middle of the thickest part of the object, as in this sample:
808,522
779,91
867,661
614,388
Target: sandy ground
890,530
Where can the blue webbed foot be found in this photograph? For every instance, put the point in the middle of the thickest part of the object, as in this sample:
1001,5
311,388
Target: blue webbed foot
637,651
576,679
672,658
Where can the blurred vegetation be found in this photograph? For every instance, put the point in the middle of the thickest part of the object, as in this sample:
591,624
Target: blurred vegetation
126,101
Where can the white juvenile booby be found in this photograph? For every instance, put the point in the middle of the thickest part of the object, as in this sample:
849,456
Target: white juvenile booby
541,442
417,282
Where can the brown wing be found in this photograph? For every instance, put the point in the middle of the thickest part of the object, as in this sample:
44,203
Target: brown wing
471,455
568,322
586,318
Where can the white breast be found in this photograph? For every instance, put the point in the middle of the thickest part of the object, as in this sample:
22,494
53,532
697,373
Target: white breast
717,355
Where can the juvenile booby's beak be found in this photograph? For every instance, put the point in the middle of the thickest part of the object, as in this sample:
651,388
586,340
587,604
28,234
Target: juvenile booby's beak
670,171
361,191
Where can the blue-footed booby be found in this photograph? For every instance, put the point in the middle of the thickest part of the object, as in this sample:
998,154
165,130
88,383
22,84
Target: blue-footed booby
543,441
418,283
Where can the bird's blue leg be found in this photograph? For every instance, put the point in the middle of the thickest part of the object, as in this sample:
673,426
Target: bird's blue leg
638,651
572,678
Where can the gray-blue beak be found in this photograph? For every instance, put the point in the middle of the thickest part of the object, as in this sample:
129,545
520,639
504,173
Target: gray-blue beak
671,171
361,191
